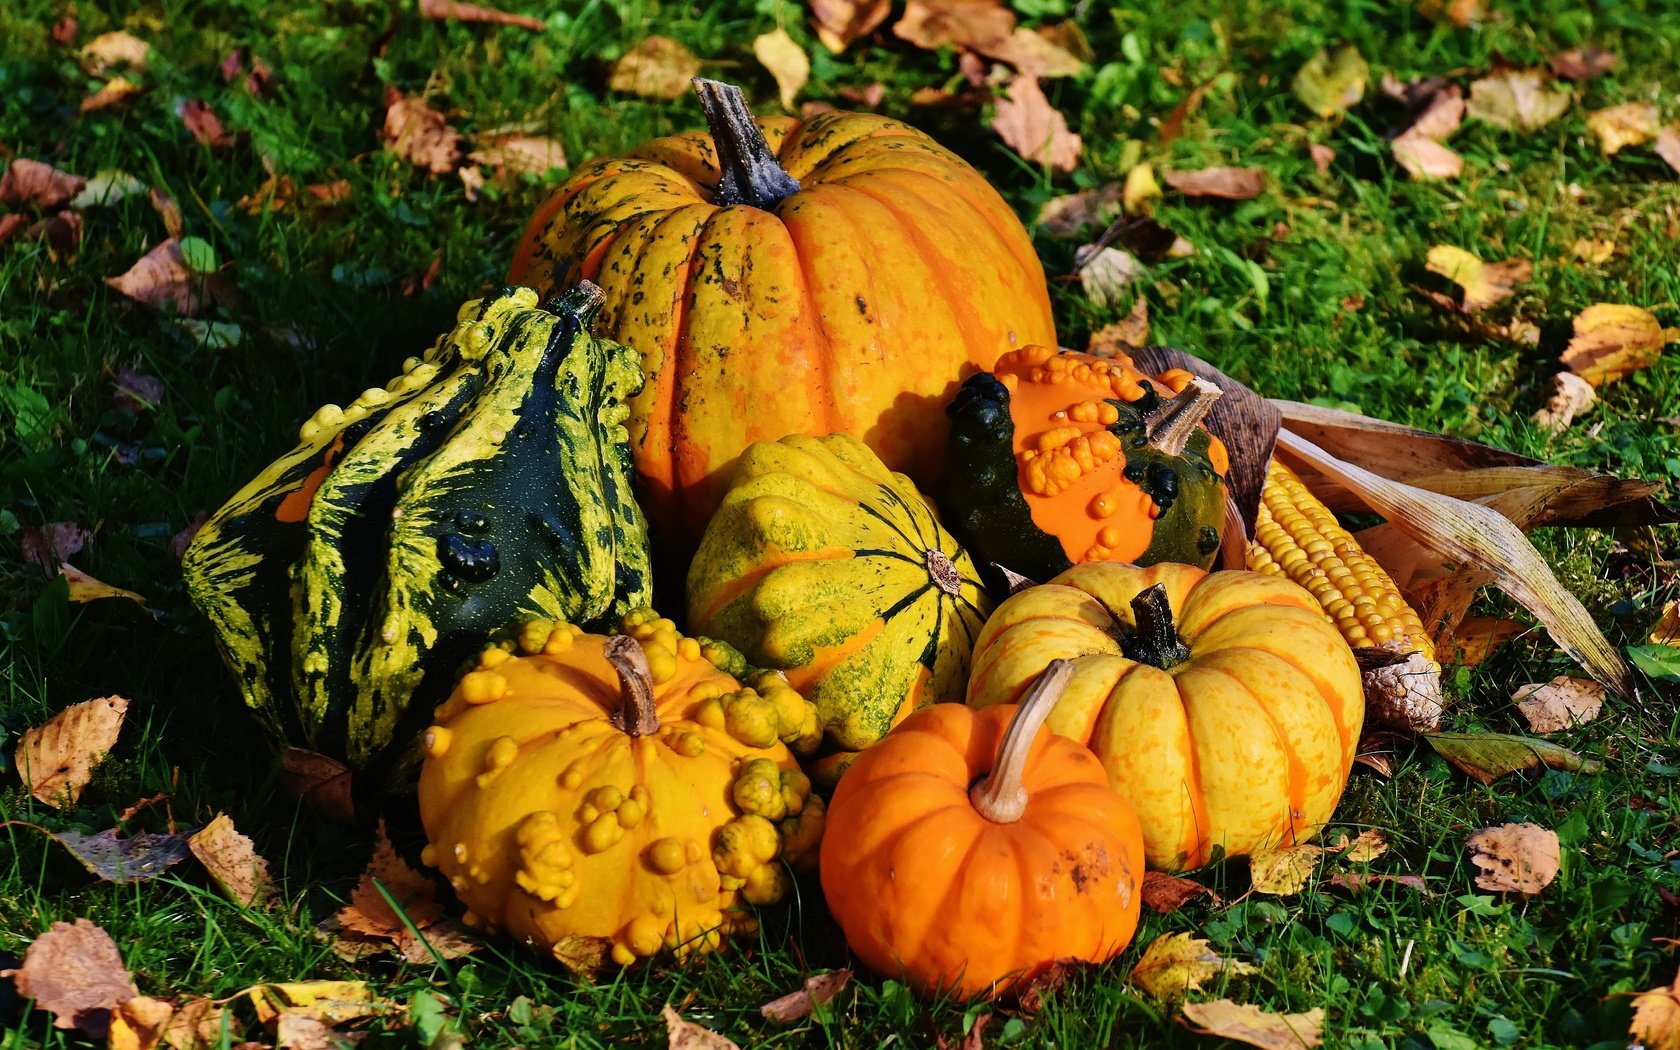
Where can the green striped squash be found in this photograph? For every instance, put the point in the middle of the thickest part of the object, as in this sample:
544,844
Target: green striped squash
490,482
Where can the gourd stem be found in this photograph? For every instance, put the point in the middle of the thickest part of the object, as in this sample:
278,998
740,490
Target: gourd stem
943,573
637,714
582,302
1169,427
1156,641
751,173
1013,580
1000,796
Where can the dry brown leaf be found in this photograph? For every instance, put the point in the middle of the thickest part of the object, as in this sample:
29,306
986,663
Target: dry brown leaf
75,972
1668,146
1424,158
1033,55
1484,283
1366,847
839,22
686,1035
419,134
369,923
109,50
168,211
1614,340
472,180
203,124
296,1030
197,1025
1583,63
32,184
1486,546
1165,894
327,194
1246,1023
1475,638
1123,337
161,276
1358,882
1571,396
64,30
1441,115
517,155
84,588
1067,215
275,193
658,67
1461,13
1522,99
112,92
1515,858
455,11
817,990
1666,631
56,760
1284,871
1630,124
1106,273
139,1024
321,782
1560,704
53,543
1592,250
232,860
974,24
1234,184
1177,963
1030,126
1656,1017
787,62
1321,156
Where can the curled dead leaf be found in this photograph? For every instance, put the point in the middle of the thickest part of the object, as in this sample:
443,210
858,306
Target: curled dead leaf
33,184
419,134
56,760
1614,340
139,1024
1571,396
124,858
787,62
686,1035
1030,126
53,543
974,24
203,124
84,588
839,22
108,51
1246,1023
456,11
1106,273
1559,704
113,92
1483,283
1177,963
233,862
161,277
1521,99
518,154
1165,894
1489,756
1226,183
658,67
1067,215
1656,1017
1668,146
817,990
1515,858
1364,848
1330,84
1424,158
1583,63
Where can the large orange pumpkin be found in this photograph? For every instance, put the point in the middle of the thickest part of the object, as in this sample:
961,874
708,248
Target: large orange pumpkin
1224,706
968,851
836,275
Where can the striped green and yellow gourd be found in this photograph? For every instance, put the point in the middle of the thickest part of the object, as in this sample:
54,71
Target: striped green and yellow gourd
489,482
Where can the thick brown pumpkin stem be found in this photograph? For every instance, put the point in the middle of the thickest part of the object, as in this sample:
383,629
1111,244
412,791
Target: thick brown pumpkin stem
1156,641
751,173
1169,427
637,714
1000,796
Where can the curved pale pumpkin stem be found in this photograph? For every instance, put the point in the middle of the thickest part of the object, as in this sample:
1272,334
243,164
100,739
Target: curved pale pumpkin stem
751,173
1169,427
1156,641
637,714
1000,796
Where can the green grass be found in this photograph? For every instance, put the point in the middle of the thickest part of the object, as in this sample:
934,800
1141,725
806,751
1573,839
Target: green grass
323,314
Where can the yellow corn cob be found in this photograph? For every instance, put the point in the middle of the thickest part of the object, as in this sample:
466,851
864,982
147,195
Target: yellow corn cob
1296,536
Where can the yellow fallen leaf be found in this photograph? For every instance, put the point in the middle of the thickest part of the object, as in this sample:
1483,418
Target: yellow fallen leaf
1484,283
1656,1018
108,50
1476,637
658,67
56,760
1515,858
1614,340
1331,84
1247,1023
1666,631
1368,846
1593,250
786,61
333,1002
232,860
1176,963
1630,124
1283,871
139,1024
84,588
1141,190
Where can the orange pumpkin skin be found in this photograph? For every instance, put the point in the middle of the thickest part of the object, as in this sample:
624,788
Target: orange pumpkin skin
927,888
1246,744
855,305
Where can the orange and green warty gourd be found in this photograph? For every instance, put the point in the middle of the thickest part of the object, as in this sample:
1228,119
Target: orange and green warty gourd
1224,706
607,799
840,274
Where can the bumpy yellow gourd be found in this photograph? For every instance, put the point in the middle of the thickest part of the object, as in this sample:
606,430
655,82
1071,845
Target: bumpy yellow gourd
607,799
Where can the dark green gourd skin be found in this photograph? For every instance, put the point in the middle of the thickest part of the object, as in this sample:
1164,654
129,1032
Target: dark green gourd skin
490,483
979,490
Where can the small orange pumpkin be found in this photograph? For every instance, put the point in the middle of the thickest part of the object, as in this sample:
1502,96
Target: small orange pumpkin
968,887
1224,705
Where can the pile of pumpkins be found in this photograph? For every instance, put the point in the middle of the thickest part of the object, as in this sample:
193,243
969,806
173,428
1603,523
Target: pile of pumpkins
731,363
